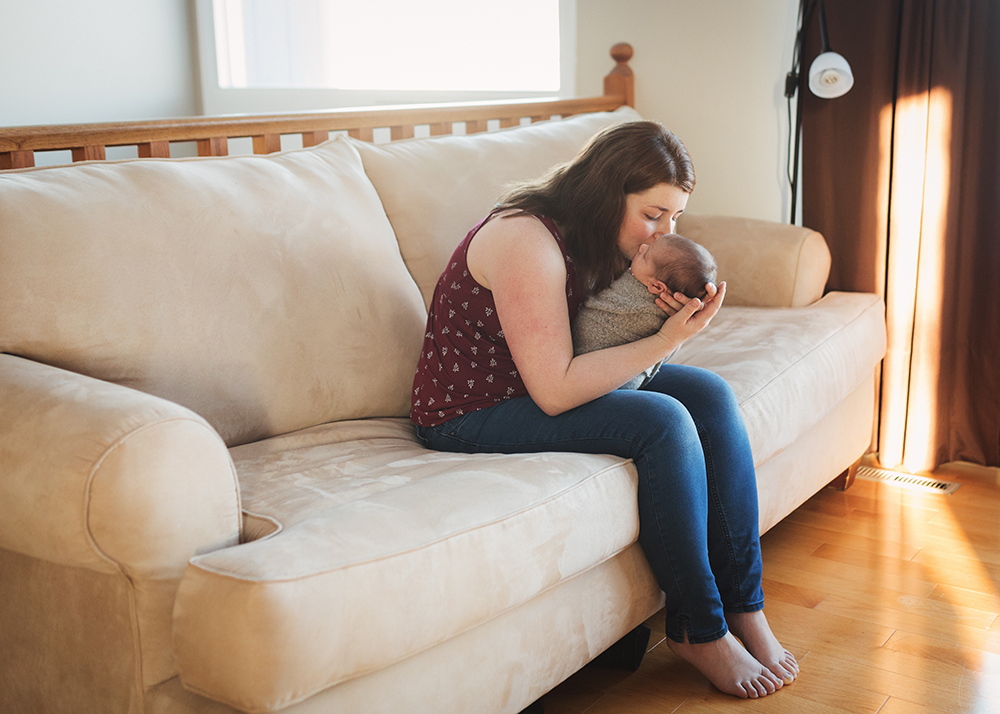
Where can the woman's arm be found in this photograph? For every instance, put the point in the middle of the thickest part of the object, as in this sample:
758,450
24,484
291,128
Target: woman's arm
517,259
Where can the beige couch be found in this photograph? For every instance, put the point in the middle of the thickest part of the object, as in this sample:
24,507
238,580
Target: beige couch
210,497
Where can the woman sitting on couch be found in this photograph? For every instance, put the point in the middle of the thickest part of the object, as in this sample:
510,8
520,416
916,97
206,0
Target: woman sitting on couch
497,374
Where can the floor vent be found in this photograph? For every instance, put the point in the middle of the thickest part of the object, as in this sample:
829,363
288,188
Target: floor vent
905,480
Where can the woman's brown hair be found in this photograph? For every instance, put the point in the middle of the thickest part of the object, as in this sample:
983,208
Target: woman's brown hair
586,197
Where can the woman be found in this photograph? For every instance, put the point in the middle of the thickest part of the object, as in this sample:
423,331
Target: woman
497,374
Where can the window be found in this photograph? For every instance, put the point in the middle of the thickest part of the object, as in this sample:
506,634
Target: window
287,55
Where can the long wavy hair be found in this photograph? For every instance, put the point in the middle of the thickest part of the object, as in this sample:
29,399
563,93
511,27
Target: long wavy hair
586,197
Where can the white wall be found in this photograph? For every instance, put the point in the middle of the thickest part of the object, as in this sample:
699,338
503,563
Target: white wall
75,61
713,72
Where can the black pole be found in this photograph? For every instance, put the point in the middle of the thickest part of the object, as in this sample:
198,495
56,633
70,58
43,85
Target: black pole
794,83
822,26
795,159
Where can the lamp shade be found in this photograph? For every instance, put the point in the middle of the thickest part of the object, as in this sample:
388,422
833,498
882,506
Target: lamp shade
830,76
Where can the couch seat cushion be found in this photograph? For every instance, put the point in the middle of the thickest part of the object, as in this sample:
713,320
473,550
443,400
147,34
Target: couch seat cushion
384,549
790,366
265,293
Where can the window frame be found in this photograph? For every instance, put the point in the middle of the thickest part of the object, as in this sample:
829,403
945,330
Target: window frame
219,101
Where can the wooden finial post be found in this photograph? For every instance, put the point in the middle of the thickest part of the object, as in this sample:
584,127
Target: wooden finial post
620,82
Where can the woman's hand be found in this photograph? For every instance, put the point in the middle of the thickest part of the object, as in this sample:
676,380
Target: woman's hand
671,303
689,316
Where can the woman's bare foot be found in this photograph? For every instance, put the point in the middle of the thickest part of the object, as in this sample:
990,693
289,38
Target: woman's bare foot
756,636
728,666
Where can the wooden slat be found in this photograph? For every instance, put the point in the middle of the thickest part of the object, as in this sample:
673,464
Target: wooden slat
17,159
214,146
507,122
440,128
314,138
88,153
266,143
474,127
154,150
397,133
365,133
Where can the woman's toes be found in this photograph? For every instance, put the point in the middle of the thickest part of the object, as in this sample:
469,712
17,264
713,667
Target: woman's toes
787,668
764,686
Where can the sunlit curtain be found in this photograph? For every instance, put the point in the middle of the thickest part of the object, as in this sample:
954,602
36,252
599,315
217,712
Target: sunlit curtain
902,176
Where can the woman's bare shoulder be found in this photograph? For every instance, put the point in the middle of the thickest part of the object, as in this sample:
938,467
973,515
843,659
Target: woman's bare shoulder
513,240
517,231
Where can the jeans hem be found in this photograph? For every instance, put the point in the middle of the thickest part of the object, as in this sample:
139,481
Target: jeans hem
699,639
752,607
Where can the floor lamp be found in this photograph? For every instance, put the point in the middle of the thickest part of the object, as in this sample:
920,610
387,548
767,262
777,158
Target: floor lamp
829,77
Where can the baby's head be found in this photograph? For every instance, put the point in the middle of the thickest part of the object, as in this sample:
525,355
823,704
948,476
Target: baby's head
676,263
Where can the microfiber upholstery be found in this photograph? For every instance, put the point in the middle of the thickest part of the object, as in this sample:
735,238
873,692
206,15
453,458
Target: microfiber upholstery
367,514
265,293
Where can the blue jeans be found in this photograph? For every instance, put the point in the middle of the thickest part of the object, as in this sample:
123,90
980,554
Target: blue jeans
698,523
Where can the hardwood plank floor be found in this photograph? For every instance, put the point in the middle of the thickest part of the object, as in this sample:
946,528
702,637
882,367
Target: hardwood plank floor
889,598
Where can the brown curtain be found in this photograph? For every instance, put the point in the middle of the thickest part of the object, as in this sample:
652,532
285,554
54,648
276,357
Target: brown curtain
902,176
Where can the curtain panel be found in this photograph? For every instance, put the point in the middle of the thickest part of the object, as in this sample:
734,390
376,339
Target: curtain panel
902,177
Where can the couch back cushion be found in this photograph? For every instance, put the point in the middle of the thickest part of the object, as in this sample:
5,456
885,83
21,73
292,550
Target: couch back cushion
266,293
435,190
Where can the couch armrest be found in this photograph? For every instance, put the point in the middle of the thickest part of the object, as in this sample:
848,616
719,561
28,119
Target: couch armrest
764,264
101,476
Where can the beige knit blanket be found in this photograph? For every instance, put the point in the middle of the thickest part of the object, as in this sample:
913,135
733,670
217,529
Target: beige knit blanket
625,312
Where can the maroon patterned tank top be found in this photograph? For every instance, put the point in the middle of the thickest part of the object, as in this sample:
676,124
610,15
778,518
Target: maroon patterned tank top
465,364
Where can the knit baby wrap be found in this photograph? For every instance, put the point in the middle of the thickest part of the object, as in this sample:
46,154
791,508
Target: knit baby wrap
625,312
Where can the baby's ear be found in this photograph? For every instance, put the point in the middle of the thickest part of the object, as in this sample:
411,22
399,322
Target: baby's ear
658,287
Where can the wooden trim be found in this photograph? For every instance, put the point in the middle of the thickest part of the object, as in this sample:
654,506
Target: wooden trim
620,81
47,138
88,141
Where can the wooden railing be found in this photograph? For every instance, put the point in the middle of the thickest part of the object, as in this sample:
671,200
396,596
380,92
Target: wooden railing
88,142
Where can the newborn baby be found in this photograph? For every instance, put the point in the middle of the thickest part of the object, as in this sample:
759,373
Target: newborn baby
626,311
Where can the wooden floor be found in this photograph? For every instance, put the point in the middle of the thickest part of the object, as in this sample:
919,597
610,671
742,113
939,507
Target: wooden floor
888,597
